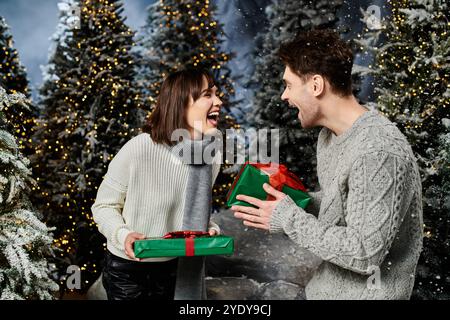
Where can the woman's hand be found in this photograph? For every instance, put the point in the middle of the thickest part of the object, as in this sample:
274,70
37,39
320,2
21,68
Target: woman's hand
129,241
213,232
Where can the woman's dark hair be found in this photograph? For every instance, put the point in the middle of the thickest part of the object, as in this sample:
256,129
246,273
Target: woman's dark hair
173,101
320,52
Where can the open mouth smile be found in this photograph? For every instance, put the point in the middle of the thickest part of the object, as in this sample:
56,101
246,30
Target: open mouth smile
213,117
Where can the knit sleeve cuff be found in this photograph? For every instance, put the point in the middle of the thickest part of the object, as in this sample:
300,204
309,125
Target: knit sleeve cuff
121,234
282,214
214,226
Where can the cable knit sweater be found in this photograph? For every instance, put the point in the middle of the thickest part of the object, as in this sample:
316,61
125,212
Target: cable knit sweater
369,214
143,191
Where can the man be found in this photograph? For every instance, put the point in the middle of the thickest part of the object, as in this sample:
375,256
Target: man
366,220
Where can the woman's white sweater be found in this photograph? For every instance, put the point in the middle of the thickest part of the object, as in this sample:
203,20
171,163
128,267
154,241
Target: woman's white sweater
143,191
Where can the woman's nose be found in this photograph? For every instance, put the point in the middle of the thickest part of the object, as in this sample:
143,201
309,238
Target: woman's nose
217,101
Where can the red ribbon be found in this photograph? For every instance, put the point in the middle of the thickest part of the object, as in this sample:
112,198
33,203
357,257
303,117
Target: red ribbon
190,249
279,176
189,237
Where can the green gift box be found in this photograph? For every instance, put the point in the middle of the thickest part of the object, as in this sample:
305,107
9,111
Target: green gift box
184,244
252,176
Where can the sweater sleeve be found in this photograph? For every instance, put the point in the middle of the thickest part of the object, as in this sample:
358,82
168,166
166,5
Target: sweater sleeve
110,200
316,200
380,190
214,226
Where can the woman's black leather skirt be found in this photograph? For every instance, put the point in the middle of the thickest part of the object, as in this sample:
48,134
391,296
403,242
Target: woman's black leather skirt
132,280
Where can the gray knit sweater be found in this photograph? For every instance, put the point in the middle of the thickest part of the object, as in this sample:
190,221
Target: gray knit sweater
367,215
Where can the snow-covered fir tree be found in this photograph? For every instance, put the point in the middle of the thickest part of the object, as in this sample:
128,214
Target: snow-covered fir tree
412,73
181,34
90,109
13,79
433,273
287,18
242,21
444,167
25,241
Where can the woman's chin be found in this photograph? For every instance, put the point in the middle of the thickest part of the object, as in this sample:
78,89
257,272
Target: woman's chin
211,131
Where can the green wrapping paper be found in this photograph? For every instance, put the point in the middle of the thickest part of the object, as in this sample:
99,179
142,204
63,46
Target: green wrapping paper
177,247
250,182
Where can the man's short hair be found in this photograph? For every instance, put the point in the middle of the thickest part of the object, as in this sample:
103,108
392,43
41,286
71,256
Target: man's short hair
320,52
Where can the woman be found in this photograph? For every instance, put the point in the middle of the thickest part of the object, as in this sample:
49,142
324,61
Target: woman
148,191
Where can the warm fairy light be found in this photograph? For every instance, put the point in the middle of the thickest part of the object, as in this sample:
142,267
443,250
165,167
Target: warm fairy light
75,206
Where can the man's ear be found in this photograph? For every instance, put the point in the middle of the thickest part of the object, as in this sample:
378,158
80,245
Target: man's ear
318,85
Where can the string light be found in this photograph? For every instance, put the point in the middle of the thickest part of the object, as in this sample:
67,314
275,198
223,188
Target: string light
73,110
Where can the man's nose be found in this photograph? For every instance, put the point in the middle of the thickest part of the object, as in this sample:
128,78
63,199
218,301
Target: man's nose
284,96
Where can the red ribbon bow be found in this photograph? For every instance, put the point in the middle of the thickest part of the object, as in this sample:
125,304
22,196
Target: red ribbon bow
279,176
189,237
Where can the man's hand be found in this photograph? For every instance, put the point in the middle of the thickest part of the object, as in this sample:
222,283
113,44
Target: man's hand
260,216
129,241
